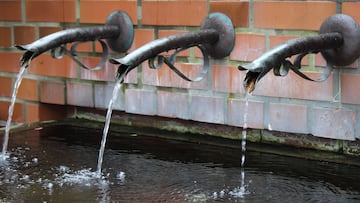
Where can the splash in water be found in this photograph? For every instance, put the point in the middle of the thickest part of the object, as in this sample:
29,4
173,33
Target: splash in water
11,110
107,125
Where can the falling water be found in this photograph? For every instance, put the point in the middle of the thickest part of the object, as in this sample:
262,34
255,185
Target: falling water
107,125
241,191
243,144
11,110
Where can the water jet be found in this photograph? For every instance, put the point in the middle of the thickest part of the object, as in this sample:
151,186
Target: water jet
118,33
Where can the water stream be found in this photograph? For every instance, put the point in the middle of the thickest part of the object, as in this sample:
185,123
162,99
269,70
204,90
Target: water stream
116,90
241,191
11,111
243,144
17,84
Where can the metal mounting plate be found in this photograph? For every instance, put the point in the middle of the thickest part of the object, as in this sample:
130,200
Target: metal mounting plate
123,42
224,26
350,31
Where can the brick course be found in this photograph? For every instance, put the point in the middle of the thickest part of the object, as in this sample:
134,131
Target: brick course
183,13
288,118
97,11
52,92
10,10
207,109
24,34
5,33
334,123
248,46
50,11
300,15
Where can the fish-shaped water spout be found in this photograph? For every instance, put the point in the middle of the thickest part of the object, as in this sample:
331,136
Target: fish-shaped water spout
338,41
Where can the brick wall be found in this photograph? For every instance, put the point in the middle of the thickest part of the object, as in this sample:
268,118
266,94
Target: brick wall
290,104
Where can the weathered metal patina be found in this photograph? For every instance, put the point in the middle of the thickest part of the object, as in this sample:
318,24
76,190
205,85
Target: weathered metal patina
216,38
338,42
118,33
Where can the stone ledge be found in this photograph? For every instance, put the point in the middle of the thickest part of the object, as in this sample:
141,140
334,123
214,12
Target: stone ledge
281,143
178,126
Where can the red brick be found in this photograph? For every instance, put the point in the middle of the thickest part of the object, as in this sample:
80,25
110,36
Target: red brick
333,123
92,11
349,88
98,47
173,104
18,115
106,73
255,111
44,112
352,9
149,76
237,11
24,35
293,86
52,92
166,33
50,11
248,46
9,62
32,113
79,94
140,101
44,31
86,47
10,10
168,78
141,37
6,86
178,13
28,90
295,15
47,66
288,118
319,60
103,94
5,39
227,79
207,109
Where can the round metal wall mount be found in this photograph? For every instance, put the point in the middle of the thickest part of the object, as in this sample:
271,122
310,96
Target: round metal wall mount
349,51
224,26
126,36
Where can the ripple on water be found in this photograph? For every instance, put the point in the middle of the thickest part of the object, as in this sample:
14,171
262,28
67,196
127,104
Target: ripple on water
65,175
86,177
21,173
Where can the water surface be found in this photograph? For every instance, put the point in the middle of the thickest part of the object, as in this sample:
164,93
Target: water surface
58,164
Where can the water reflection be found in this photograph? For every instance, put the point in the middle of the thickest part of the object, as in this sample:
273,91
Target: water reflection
59,165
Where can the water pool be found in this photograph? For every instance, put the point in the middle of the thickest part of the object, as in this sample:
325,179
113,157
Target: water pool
58,164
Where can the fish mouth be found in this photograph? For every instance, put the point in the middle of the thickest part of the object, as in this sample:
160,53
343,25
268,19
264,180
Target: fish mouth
250,81
255,72
251,78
